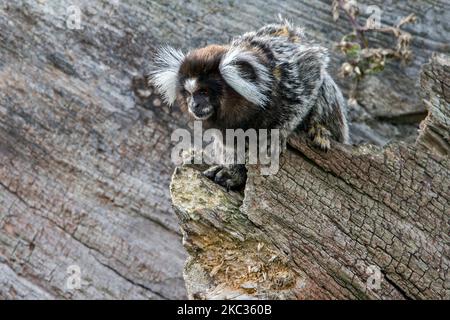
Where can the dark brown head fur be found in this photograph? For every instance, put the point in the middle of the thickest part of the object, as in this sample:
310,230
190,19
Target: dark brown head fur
207,94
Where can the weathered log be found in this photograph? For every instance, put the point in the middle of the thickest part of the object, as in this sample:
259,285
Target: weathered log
84,164
85,146
353,223
434,133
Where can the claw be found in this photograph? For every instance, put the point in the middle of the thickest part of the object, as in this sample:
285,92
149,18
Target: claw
320,137
211,172
226,177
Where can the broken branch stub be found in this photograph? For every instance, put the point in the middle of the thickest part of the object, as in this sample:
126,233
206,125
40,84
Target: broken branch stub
354,223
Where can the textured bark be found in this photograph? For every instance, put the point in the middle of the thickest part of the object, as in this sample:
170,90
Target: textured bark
85,146
84,164
435,133
323,225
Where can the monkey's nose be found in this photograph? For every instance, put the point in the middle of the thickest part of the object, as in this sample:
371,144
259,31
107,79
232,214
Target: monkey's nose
194,106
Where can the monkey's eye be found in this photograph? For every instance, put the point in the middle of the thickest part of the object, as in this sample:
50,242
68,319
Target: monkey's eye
203,92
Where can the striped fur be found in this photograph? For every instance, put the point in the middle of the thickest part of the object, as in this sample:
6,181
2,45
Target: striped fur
254,90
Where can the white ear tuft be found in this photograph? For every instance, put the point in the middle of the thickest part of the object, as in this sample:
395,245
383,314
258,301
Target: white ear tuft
164,72
255,90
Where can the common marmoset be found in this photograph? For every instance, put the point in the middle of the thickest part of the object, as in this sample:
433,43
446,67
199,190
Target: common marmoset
267,79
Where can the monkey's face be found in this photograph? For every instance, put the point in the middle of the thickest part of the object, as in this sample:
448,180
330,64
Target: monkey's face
215,83
199,95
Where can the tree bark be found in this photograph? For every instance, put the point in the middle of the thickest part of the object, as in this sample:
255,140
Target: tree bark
84,157
353,223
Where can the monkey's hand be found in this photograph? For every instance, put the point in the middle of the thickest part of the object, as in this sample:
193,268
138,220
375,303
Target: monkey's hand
229,176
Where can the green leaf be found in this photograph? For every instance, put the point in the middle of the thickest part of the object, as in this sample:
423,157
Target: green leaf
353,51
374,69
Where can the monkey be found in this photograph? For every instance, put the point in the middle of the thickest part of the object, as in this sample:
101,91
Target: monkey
272,78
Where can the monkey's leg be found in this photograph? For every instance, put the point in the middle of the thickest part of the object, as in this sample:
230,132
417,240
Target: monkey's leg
229,176
327,120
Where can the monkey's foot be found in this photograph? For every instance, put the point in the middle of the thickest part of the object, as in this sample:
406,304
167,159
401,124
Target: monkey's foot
230,176
320,136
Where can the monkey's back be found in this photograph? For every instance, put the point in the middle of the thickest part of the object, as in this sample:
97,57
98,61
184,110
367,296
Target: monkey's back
296,67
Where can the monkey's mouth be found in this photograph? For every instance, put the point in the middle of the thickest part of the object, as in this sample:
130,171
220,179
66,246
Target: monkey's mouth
202,114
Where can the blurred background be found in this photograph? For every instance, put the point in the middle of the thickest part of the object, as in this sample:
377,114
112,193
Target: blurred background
85,165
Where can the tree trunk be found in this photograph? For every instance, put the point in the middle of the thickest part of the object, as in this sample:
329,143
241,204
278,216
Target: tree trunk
84,163
353,223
